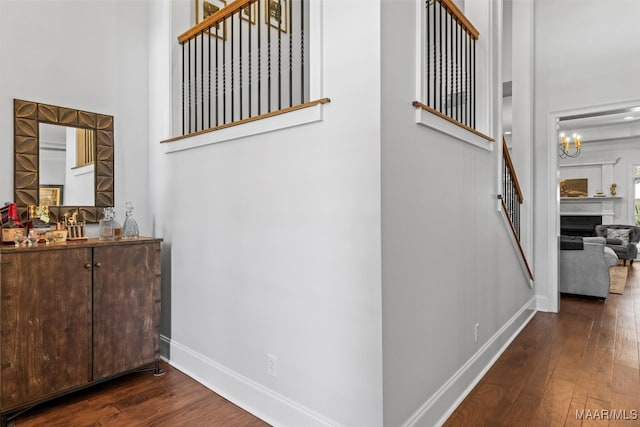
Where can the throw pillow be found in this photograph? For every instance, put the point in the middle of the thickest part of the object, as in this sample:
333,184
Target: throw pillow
619,233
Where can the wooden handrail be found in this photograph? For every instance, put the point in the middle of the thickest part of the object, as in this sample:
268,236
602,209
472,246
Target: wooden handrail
251,119
457,13
512,170
419,104
515,236
219,16
239,4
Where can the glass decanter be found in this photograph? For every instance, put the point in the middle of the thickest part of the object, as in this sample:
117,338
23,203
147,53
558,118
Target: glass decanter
130,227
106,224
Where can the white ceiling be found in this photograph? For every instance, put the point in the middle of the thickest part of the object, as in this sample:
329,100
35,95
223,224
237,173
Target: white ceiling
602,126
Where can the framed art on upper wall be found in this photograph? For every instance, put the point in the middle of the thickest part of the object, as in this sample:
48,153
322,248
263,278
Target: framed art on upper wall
206,8
276,14
249,13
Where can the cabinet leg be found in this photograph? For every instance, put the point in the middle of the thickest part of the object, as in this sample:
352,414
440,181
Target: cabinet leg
157,371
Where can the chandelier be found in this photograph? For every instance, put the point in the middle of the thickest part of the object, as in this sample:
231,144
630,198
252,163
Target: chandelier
565,145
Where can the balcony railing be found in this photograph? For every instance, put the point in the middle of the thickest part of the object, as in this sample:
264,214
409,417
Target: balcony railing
449,62
511,192
512,200
245,61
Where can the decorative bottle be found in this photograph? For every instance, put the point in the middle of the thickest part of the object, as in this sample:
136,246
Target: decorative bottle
130,227
106,225
117,228
13,225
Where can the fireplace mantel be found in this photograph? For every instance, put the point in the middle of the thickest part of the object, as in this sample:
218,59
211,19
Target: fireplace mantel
603,206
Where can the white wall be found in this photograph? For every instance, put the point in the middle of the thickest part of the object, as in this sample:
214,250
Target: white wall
275,244
507,40
448,263
522,120
52,167
87,55
597,65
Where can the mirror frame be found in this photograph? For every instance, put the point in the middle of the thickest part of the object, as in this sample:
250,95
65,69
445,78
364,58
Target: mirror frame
27,117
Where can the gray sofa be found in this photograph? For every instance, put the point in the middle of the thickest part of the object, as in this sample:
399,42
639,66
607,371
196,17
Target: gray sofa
624,250
586,271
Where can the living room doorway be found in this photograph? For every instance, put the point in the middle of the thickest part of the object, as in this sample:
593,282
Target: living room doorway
615,124
636,192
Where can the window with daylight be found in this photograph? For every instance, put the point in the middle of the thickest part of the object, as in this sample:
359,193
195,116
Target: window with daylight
636,186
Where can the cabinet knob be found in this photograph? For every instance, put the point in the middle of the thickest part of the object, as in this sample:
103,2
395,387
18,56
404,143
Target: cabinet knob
87,265
98,264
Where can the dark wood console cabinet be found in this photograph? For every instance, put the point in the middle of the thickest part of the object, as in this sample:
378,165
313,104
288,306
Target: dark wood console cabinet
75,314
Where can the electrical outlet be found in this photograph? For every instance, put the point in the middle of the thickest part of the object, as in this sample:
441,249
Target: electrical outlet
476,331
272,365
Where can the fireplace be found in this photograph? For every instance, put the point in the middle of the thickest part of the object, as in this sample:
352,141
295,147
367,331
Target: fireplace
579,225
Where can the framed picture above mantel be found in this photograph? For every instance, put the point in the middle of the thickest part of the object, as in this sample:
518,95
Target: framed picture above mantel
577,187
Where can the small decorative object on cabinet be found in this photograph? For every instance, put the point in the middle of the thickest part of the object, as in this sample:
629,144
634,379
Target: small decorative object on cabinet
12,227
59,233
106,224
117,228
74,226
39,221
612,189
130,228
19,239
73,315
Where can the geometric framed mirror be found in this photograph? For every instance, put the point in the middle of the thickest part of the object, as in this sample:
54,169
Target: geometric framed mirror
63,157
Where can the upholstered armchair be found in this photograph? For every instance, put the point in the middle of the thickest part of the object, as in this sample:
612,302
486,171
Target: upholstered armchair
584,270
623,239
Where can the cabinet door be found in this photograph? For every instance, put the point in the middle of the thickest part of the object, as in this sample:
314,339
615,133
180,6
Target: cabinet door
126,307
45,310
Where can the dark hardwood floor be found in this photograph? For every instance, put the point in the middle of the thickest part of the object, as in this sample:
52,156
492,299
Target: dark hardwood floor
140,399
576,368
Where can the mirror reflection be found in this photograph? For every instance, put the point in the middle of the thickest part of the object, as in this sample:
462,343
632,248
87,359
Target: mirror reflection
67,165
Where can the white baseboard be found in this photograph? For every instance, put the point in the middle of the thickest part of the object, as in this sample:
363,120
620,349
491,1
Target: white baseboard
436,410
251,396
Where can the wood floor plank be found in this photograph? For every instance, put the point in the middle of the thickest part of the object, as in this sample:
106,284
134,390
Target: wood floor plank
556,400
141,399
519,413
627,410
602,375
626,380
626,349
477,406
597,413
